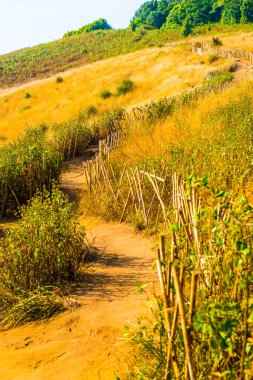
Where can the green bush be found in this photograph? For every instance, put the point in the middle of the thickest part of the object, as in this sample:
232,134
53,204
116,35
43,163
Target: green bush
72,137
27,95
216,41
216,79
213,58
98,25
45,250
91,111
186,27
25,108
27,165
59,80
105,94
109,122
125,86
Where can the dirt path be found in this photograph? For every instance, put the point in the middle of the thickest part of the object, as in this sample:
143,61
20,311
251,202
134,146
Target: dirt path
243,69
84,344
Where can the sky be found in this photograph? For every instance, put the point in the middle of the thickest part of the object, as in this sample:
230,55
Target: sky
25,23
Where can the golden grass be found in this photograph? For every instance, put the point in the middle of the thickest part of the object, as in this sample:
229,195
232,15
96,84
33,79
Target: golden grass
148,142
236,40
239,41
157,72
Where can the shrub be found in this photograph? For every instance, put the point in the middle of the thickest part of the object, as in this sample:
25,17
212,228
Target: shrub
27,165
216,41
138,222
100,24
218,78
109,122
25,108
91,110
72,137
45,250
105,94
27,95
213,58
32,306
125,86
59,80
186,27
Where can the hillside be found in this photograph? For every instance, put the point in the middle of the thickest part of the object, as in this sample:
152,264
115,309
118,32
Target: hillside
47,59
44,60
155,72
161,139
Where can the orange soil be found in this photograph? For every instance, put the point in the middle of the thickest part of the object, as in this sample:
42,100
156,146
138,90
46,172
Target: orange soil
87,342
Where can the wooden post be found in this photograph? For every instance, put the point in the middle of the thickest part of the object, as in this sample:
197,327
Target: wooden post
182,312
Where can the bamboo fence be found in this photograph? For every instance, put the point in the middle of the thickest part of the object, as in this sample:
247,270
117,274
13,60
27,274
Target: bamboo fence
136,190
202,47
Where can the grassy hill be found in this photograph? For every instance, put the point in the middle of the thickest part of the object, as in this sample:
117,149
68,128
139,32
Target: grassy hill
155,72
50,58
205,136
47,59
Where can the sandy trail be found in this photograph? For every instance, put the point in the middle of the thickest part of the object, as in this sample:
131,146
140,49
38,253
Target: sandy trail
84,344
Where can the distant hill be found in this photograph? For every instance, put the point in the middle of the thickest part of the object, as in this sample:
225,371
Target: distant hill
50,58
83,47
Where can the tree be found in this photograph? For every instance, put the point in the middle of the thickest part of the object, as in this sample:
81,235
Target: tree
176,16
246,11
145,9
231,12
155,20
100,24
216,11
199,12
135,24
152,14
186,27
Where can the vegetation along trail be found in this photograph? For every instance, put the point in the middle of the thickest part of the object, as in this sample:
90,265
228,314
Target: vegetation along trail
86,343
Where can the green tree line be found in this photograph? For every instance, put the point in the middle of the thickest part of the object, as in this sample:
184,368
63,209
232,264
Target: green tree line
167,14
156,14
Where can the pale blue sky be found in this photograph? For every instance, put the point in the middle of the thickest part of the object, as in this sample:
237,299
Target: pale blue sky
25,23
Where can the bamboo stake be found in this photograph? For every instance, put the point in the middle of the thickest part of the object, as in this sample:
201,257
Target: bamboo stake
117,184
108,180
127,200
152,176
136,187
173,328
194,284
159,198
86,173
245,322
141,197
130,182
183,323
120,182
166,315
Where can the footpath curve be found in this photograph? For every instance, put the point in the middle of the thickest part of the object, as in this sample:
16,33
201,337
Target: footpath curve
86,344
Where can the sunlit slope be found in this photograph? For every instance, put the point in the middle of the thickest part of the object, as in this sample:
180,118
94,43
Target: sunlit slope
239,41
211,136
156,73
232,40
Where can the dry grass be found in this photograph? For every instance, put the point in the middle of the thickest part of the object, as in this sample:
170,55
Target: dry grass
236,40
156,72
148,142
239,41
